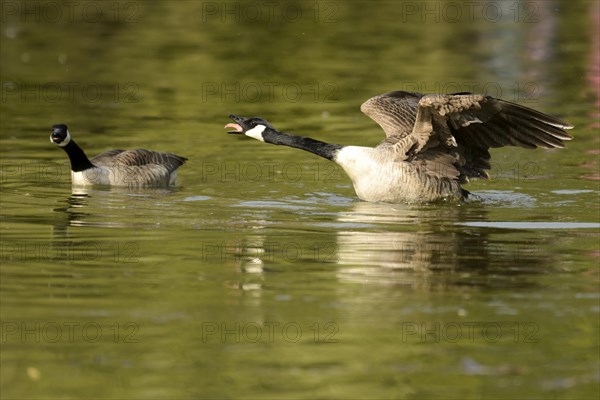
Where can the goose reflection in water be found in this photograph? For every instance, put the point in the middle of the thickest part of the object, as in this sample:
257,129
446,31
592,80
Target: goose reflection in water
398,245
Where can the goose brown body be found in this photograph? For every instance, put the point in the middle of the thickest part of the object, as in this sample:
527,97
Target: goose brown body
132,168
434,143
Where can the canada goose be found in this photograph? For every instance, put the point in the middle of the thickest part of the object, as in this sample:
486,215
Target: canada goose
433,143
117,167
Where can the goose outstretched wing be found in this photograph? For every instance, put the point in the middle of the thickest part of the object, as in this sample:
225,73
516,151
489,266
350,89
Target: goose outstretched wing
451,134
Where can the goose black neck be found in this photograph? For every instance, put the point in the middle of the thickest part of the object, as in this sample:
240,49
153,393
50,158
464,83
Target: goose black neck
325,150
79,161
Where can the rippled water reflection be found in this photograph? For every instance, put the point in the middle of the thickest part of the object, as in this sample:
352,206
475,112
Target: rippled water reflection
260,274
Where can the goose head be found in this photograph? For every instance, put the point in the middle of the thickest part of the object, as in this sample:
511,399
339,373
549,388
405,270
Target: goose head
60,135
253,127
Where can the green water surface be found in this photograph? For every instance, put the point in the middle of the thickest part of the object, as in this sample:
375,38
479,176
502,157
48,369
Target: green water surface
261,275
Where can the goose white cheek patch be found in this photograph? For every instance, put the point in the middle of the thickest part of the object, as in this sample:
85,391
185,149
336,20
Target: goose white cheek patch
256,132
64,142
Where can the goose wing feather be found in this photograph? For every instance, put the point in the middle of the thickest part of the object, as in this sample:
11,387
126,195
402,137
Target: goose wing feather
395,112
449,135
139,158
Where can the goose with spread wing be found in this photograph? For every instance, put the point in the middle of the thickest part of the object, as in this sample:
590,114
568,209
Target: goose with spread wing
434,143
132,168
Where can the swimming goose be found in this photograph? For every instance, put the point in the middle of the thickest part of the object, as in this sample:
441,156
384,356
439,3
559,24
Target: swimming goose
434,143
132,168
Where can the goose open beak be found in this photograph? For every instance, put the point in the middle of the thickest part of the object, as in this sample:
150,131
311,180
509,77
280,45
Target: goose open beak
237,127
237,124
55,138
